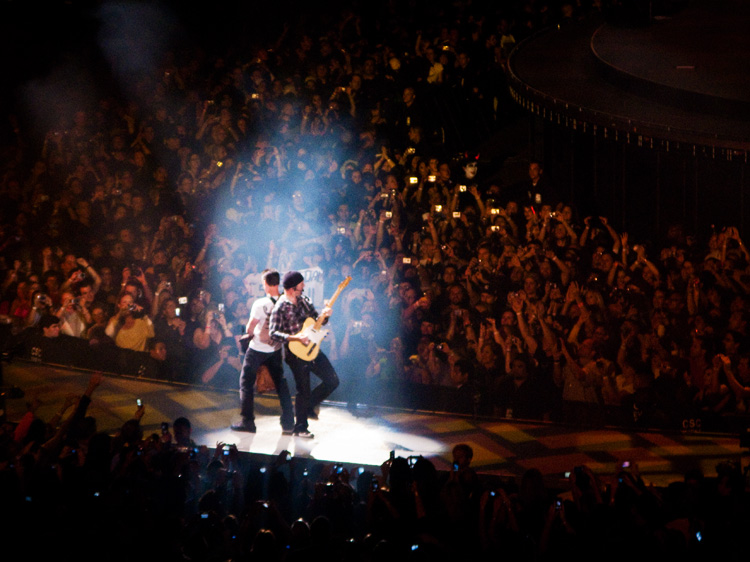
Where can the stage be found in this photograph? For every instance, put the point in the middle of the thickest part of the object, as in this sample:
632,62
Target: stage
365,437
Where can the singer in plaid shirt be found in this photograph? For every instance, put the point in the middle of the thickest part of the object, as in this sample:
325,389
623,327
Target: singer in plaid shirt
287,318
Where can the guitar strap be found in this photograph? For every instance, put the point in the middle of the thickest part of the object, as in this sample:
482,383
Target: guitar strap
268,318
307,306
245,338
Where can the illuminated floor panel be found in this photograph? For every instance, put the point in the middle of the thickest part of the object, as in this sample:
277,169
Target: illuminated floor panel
504,448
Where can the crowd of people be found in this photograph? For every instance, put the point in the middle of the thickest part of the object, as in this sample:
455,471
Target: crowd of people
73,492
140,225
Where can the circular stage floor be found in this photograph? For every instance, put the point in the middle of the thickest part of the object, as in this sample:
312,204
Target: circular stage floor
681,79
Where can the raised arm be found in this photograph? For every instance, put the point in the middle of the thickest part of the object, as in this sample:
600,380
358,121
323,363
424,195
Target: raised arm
517,303
613,234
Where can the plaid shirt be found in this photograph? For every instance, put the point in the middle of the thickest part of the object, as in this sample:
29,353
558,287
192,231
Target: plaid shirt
287,318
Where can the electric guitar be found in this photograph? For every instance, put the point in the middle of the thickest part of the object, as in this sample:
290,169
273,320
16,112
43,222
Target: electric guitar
313,330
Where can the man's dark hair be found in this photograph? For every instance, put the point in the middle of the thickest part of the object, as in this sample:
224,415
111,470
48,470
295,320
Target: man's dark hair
151,343
485,245
272,277
182,422
86,282
466,367
468,451
48,320
523,358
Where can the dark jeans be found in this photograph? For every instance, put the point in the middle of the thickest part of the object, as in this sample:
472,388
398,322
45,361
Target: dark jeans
253,361
306,399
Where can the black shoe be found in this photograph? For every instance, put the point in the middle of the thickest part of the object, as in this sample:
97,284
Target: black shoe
303,433
248,427
312,413
287,431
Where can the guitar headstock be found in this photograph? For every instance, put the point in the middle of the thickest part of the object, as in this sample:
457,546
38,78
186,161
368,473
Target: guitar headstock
340,288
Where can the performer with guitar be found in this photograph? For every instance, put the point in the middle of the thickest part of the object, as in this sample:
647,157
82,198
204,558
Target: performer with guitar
289,326
262,350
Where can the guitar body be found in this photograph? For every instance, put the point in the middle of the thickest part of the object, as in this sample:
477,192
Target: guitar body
310,351
313,330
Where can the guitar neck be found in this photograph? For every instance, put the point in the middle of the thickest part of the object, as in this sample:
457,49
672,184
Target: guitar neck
341,287
337,293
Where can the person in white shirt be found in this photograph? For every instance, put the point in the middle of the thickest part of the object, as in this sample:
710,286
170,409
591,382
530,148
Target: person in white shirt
263,351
